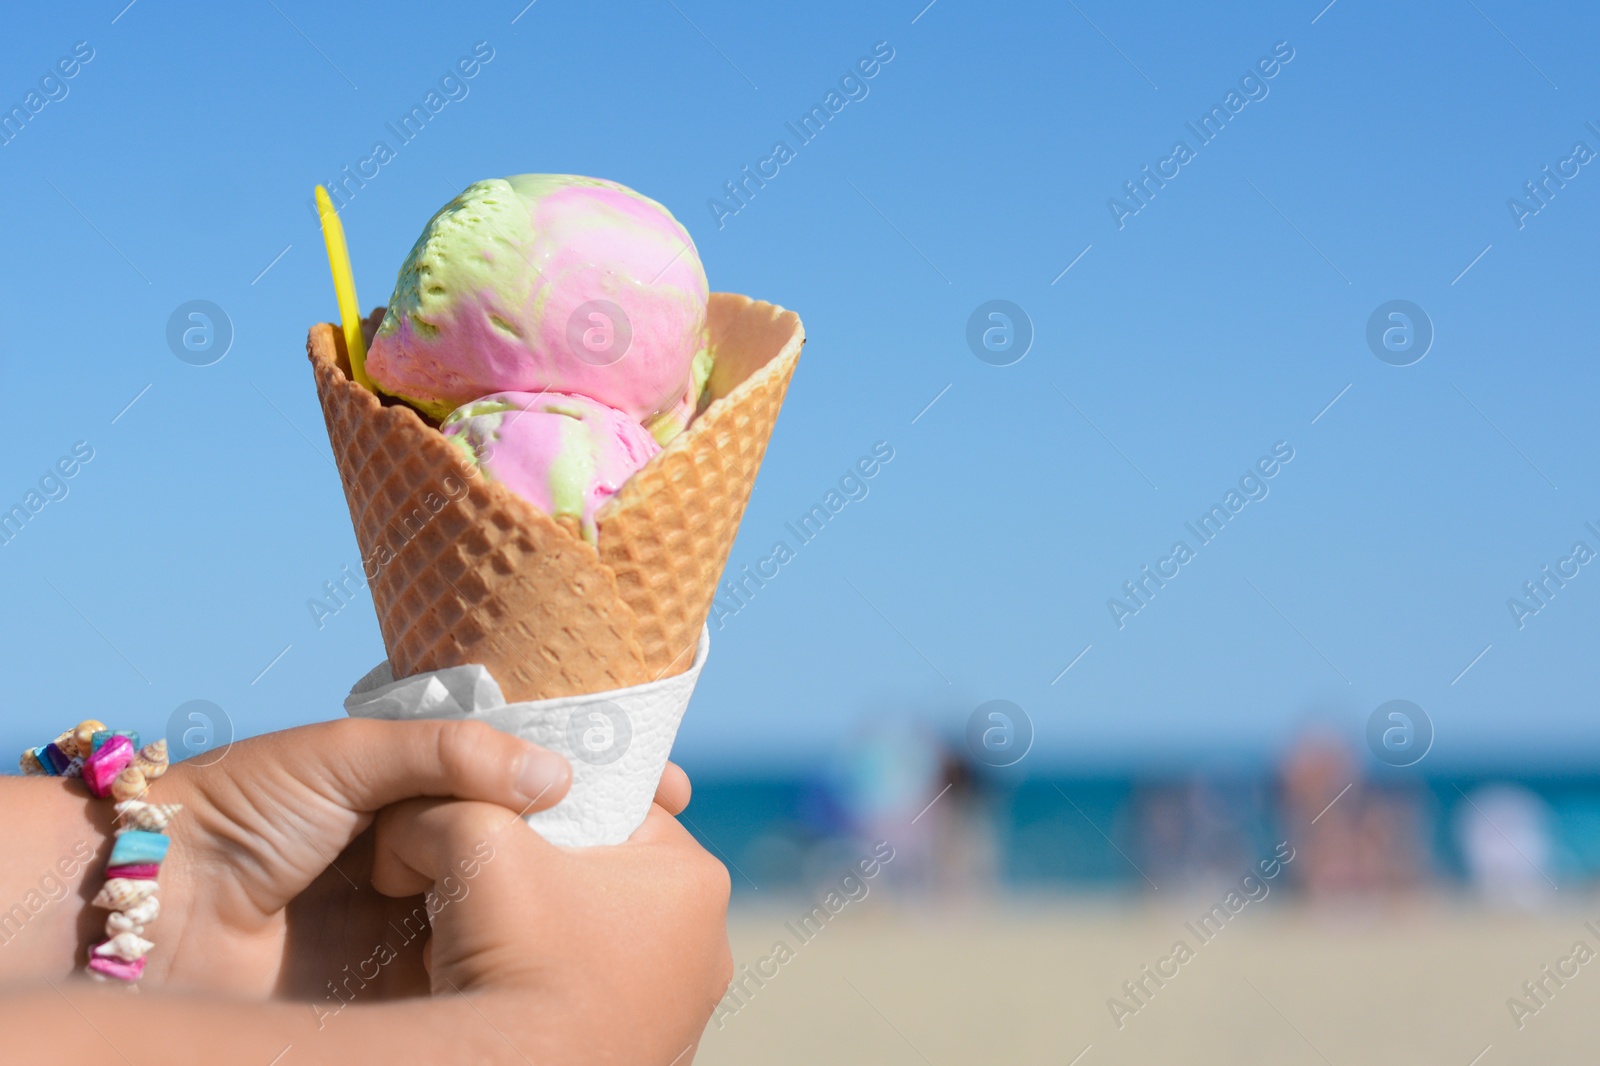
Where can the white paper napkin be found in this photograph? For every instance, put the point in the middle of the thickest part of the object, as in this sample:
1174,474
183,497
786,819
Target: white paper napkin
617,741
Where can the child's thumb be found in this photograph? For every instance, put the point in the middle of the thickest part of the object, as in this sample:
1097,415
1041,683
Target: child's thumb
370,764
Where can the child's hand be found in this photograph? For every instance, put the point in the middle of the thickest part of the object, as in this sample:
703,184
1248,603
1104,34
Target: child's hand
261,825
613,954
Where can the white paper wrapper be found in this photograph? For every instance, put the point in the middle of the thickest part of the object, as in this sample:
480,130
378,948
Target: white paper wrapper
617,741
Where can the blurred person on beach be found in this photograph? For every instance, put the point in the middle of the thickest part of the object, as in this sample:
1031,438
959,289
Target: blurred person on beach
1504,832
1354,841
899,783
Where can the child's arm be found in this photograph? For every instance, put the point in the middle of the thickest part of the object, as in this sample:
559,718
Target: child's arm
78,1022
540,955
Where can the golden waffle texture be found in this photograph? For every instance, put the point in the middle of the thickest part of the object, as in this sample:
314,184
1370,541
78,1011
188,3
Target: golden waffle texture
462,570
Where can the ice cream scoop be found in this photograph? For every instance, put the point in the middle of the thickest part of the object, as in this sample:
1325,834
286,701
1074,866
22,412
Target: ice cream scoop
547,282
564,454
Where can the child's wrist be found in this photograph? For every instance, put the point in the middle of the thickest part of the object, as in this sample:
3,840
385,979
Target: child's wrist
114,767
178,884
63,837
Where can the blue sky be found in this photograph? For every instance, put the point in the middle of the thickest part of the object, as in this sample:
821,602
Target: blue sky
978,163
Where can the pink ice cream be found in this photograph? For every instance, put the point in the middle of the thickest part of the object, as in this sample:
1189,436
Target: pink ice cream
564,454
549,282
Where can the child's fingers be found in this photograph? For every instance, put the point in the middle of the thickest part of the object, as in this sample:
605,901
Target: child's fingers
371,764
421,842
661,828
400,865
673,792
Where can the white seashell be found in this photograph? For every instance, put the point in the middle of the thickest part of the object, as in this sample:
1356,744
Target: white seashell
124,893
74,768
127,946
117,922
146,912
152,759
129,784
151,817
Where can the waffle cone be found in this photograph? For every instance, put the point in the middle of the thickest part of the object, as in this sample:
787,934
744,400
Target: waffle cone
463,571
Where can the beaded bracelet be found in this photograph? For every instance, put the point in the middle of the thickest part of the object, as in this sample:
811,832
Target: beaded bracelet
112,764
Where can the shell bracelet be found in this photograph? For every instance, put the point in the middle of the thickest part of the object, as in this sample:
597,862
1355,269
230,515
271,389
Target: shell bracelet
113,765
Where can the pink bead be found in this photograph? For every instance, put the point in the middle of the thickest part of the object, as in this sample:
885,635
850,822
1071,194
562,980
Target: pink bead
103,766
144,871
122,970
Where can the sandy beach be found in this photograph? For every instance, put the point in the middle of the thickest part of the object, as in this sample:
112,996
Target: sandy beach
1422,981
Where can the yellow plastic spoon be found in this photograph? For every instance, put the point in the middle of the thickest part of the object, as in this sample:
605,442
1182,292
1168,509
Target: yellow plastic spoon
344,288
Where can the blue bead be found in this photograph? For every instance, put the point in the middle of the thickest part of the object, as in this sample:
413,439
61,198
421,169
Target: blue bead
104,735
41,753
136,846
